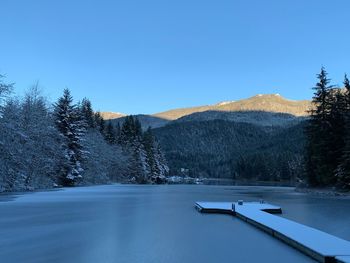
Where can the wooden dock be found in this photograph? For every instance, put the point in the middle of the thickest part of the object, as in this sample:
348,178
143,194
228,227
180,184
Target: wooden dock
319,245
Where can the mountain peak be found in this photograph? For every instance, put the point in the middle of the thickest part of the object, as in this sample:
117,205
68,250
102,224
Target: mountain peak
107,115
260,102
274,103
224,102
275,95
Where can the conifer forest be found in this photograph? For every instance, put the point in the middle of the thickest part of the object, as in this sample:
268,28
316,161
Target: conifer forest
46,144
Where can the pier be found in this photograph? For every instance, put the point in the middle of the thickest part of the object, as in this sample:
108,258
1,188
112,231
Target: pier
319,245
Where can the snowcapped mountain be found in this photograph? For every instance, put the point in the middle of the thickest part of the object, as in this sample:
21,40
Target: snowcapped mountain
261,102
112,115
262,109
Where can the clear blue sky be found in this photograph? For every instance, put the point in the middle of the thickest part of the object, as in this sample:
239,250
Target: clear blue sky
138,56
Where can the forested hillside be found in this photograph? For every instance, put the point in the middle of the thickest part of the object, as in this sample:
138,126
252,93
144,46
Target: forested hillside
43,145
260,118
225,149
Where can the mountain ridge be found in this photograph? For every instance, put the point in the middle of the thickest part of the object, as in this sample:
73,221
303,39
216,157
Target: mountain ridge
109,115
261,109
260,102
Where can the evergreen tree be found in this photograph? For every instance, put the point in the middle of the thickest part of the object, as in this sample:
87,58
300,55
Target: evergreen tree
71,126
161,163
148,163
337,128
131,141
319,168
155,159
110,133
343,170
149,146
131,131
88,113
100,122
126,132
321,97
347,91
42,142
138,167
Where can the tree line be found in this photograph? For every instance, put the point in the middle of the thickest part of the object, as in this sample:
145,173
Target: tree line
66,143
327,155
43,145
146,160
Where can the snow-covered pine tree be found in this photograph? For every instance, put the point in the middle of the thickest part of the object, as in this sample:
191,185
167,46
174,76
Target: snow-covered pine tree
88,113
41,148
131,141
138,166
10,140
72,127
158,168
150,150
161,161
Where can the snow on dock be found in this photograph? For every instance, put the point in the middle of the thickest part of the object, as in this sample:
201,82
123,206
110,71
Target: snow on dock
226,207
317,244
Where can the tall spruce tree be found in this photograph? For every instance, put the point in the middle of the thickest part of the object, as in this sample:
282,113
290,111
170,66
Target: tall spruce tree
149,146
337,128
131,140
161,162
155,159
110,133
343,170
319,167
100,122
138,166
131,131
88,113
71,126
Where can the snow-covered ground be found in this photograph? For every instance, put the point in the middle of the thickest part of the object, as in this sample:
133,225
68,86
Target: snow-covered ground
130,223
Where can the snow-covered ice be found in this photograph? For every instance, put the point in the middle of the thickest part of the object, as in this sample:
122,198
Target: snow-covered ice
131,223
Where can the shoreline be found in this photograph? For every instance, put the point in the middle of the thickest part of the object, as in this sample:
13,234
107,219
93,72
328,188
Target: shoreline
328,191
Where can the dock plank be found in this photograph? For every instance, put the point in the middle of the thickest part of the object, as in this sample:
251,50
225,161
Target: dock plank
313,242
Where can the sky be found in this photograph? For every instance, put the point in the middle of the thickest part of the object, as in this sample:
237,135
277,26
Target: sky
137,56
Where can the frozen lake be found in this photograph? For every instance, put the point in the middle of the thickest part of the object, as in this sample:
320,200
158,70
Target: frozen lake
131,223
